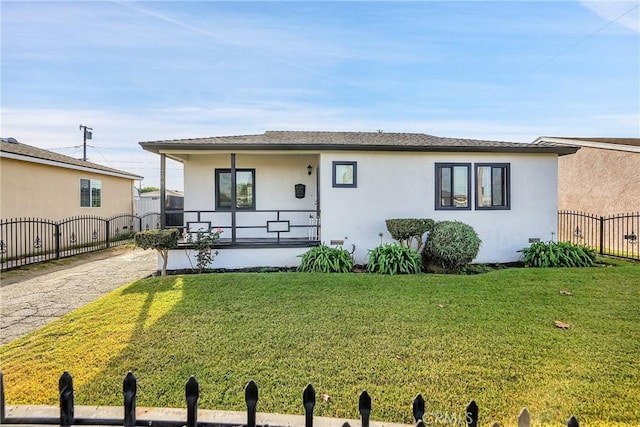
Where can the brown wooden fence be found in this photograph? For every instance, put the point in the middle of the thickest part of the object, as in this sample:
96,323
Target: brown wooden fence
615,235
26,241
192,393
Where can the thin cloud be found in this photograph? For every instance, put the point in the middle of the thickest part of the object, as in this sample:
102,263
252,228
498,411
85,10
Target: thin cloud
625,13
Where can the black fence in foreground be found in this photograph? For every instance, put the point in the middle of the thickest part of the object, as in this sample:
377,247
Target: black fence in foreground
615,235
192,393
26,241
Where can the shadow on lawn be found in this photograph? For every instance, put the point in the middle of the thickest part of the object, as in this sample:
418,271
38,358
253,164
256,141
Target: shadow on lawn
163,293
163,350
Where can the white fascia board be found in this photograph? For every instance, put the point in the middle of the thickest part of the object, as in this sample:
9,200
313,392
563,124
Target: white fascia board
591,144
67,165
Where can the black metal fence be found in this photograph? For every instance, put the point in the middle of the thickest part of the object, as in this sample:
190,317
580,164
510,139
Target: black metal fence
26,241
615,235
192,392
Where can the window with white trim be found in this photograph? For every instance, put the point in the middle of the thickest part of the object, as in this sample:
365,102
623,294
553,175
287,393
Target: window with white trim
90,193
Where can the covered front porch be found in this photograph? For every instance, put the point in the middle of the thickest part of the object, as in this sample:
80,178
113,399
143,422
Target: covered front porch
255,199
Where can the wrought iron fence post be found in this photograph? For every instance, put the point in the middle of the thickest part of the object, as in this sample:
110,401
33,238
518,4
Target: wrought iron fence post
309,402
107,223
192,391
2,413
418,407
364,406
57,233
573,422
601,220
471,414
251,399
129,389
65,387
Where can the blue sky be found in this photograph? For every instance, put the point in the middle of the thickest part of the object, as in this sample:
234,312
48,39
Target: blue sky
148,70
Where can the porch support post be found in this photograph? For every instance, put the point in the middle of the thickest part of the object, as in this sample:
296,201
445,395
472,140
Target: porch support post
163,190
234,198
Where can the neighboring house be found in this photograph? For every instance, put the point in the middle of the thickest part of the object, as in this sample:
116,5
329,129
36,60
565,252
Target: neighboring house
38,183
603,178
149,202
276,194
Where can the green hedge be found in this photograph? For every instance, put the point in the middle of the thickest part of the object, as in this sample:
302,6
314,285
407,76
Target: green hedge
157,239
405,230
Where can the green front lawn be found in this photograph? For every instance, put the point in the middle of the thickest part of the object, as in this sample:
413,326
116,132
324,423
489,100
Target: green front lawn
487,337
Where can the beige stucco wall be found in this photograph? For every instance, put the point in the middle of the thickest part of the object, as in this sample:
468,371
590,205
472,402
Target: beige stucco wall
34,190
602,182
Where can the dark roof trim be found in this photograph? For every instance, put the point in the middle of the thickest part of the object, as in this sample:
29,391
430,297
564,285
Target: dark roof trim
352,141
159,147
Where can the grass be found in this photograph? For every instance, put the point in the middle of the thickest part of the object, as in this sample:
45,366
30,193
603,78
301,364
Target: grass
488,337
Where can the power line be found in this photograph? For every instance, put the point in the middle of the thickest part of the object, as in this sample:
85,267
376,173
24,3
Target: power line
65,148
118,149
582,40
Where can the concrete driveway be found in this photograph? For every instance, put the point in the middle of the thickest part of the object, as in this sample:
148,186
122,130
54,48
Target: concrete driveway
29,301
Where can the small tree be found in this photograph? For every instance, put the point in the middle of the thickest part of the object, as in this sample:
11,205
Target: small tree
160,240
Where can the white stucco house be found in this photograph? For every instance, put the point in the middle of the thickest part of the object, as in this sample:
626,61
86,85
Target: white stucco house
276,194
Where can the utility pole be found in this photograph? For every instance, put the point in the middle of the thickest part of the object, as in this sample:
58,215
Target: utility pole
87,133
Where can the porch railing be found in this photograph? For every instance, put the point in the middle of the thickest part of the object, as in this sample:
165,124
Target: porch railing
278,226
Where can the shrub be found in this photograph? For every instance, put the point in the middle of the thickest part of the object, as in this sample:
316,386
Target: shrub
202,242
392,258
160,240
551,254
323,259
451,244
404,230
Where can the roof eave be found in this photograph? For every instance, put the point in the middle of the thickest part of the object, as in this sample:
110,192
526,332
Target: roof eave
158,147
587,143
65,165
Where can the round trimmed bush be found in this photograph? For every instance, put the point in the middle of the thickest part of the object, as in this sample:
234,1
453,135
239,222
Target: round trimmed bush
451,244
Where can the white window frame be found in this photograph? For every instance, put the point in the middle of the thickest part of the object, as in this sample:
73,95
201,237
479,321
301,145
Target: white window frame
94,202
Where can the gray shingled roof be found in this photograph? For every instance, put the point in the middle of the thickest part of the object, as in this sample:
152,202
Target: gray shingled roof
39,153
369,141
